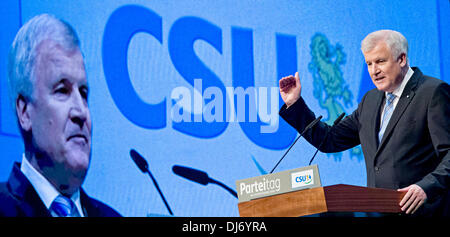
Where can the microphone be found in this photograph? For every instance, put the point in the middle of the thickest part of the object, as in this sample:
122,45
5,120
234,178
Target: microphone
200,177
326,135
143,166
310,125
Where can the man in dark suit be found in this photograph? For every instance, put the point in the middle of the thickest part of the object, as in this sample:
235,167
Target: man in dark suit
403,126
19,199
49,91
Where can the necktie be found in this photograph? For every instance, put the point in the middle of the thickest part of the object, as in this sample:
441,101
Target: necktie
63,207
388,108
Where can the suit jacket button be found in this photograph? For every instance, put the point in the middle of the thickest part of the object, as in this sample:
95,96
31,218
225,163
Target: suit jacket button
376,168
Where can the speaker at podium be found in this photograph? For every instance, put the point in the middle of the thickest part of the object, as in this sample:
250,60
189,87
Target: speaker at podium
298,192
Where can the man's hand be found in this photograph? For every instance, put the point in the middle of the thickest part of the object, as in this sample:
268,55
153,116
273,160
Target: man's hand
413,199
290,89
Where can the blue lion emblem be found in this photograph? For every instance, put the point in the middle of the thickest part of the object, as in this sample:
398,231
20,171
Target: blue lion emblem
330,88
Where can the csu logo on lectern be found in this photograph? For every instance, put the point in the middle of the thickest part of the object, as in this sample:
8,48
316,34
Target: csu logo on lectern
302,178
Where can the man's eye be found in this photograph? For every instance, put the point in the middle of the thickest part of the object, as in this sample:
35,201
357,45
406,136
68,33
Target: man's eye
84,93
62,90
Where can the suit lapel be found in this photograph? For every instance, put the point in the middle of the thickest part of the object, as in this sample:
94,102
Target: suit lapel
399,109
89,210
376,118
28,200
404,100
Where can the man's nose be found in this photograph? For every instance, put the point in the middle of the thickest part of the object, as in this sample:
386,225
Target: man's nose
79,110
374,69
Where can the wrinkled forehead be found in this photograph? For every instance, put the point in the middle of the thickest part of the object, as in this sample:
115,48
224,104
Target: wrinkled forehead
380,50
54,62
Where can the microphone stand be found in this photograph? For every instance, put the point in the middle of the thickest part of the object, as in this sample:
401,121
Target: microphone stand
223,186
159,191
305,130
143,166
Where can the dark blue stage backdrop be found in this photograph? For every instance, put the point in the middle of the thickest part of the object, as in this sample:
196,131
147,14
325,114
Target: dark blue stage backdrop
194,83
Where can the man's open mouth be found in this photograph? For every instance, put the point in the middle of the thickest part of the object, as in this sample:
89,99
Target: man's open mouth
379,78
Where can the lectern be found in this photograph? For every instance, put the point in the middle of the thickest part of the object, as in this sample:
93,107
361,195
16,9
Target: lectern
334,198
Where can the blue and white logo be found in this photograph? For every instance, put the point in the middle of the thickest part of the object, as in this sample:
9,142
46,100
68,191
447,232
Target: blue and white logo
302,178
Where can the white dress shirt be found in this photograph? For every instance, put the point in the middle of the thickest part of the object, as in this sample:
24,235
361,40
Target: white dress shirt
46,191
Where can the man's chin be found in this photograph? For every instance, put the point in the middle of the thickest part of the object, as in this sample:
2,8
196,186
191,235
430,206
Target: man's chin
381,87
78,162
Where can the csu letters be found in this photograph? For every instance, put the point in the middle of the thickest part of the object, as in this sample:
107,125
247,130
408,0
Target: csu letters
129,20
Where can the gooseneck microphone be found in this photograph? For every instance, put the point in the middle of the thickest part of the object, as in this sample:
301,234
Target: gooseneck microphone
310,125
200,177
326,135
143,166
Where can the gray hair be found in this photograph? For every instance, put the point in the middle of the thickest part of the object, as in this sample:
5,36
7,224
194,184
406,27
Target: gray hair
395,41
23,53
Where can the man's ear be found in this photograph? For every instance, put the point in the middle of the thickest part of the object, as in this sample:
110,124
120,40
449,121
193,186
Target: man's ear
23,113
402,59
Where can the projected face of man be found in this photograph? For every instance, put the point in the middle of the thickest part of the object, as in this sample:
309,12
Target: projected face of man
58,117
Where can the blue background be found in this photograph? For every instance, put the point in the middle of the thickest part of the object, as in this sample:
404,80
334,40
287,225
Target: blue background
137,52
